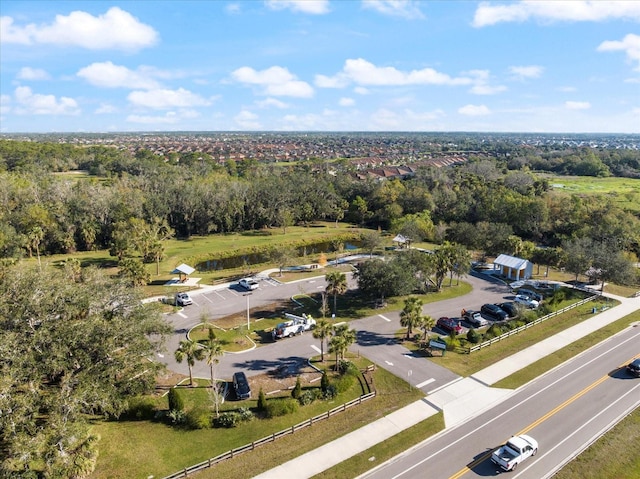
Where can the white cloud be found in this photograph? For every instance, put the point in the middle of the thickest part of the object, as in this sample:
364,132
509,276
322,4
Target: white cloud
346,102
232,8
5,104
360,90
337,81
474,110
28,73
162,98
105,108
396,8
630,44
108,75
275,81
30,103
247,120
169,118
272,102
314,7
115,29
523,72
577,105
556,10
362,72
483,89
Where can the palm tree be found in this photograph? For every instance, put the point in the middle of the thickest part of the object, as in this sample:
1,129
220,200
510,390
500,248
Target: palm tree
322,331
343,337
213,349
426,324
411,314
191,351
336,284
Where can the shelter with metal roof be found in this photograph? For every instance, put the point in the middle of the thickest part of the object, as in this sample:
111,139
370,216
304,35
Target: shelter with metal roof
183,270
513,267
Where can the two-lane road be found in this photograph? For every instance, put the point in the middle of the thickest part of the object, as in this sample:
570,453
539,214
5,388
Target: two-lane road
564,411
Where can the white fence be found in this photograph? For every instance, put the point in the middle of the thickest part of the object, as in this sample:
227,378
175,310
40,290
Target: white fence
250,447
485,344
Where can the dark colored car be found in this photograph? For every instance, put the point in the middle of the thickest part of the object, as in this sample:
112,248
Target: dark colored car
241,385
449,325
633,368
494,312
510,307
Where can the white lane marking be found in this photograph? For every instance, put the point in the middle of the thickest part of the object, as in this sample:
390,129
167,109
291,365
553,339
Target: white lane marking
223,296
207,298
515,406
316,348
424,383
320,287
408,355
385,318
182,314
389,363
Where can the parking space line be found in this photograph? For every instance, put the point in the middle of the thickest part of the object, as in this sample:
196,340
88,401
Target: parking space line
385,318
182,314
316,348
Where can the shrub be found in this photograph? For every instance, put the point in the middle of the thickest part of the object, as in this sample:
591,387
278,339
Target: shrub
545,309
330,393
452,342
227,419
245,414
176,417
176,402
347,367
473,336
140,408
297,390
494,331
308,396
324,382
198,418
344,383
281,407
528,316
262,401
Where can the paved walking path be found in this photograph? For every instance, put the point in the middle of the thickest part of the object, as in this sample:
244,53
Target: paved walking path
459,400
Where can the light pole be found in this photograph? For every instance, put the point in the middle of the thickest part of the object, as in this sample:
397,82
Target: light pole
248,324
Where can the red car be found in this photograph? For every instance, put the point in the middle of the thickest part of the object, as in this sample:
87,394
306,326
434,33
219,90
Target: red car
450,325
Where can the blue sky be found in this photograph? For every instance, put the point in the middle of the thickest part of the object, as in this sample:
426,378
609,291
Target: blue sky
320,65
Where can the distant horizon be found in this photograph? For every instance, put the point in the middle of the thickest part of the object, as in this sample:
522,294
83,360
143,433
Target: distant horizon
329,132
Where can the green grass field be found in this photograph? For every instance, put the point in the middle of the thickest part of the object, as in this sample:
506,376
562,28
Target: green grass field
624,191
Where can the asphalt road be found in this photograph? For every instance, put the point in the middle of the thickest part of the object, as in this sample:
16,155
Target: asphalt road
375,333
564,410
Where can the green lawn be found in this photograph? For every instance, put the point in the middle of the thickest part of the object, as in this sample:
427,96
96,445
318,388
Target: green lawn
153,448
624,191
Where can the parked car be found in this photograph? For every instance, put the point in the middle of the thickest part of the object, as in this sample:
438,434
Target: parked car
527,301
241,386
249,284
450,325
511,308
531,294
183,299
475,319
494,312
633,368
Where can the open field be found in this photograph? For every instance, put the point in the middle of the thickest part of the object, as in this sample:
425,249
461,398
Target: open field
624,191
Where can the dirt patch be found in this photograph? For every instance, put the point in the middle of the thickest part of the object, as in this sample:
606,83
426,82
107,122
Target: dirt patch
273,310
281,380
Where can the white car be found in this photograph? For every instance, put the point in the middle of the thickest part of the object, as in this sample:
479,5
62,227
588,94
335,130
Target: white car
527,301
249,284
183,299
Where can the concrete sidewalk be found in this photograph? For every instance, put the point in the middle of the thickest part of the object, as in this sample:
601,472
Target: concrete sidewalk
459,400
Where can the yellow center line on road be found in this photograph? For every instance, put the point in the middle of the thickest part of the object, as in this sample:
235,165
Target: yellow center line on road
539,421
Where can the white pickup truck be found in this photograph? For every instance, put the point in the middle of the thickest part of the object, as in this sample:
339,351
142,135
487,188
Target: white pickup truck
516,450
295,325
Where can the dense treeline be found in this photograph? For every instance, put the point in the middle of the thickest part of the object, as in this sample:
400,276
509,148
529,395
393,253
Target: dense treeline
482,204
